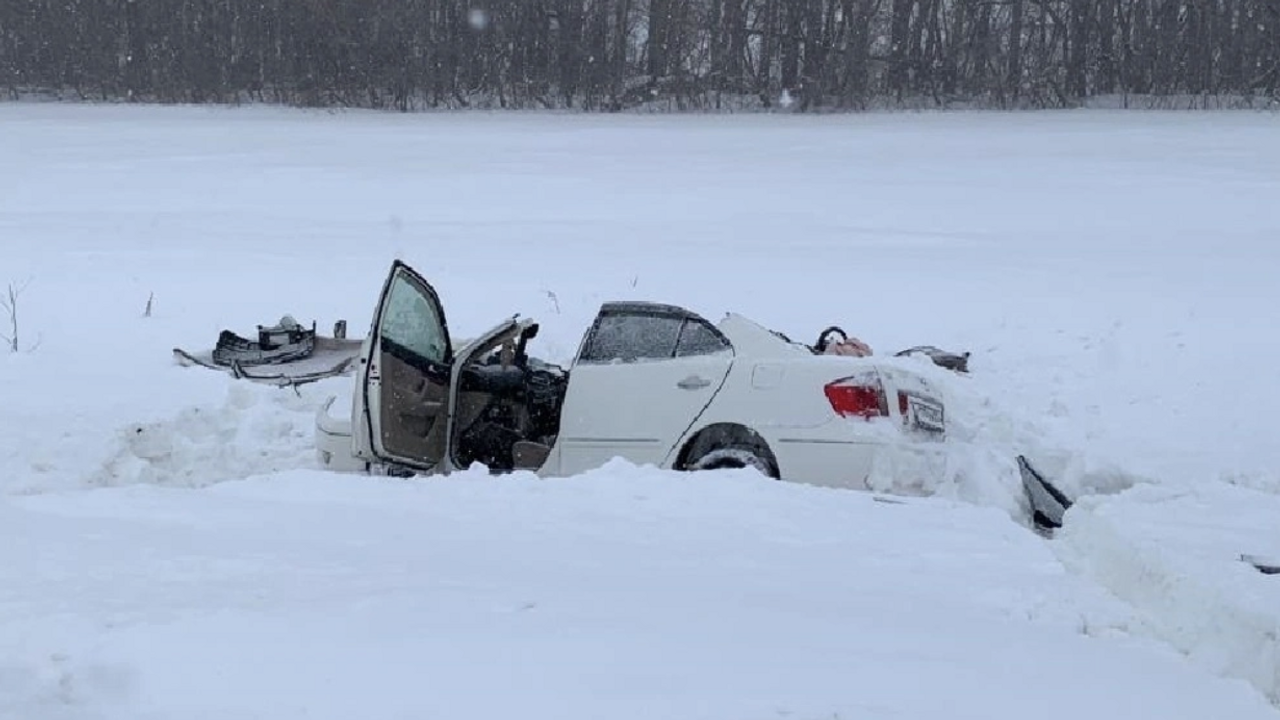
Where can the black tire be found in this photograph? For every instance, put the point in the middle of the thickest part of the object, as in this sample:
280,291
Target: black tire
735,456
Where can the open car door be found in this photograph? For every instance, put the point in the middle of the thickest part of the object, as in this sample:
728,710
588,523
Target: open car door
403,387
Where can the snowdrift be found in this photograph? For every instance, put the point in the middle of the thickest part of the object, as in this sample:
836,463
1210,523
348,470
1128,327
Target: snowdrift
168,551
1181,556
623,593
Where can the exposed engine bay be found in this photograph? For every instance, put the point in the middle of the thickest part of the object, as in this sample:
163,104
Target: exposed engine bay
508,407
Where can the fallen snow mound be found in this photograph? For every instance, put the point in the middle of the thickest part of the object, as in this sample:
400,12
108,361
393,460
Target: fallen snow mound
988,426
256,430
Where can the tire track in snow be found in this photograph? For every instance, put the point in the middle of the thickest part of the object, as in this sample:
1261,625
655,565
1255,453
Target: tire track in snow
1175,556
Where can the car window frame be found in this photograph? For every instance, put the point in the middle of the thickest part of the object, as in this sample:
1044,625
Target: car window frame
389,342
624,310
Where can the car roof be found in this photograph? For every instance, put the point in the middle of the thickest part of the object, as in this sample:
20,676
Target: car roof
644,307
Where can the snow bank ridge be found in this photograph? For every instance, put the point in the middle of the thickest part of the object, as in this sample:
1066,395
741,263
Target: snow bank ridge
1213,616
256,430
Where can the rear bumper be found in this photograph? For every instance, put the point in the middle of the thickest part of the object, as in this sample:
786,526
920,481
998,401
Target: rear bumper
835,455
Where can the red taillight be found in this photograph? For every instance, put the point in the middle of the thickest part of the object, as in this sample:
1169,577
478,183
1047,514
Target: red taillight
857,397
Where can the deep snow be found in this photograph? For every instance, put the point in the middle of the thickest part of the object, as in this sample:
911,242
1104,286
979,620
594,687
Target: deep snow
1111,272
621,593
1187,557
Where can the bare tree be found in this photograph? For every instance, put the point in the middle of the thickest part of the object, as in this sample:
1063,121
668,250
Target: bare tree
611,54
9,304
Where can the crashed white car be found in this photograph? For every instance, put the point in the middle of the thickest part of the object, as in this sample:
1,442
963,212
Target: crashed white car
651,383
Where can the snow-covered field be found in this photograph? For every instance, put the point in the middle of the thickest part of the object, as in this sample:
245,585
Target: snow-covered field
169,550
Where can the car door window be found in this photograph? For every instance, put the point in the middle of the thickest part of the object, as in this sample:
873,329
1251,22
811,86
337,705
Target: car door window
411,322
632,337
699,338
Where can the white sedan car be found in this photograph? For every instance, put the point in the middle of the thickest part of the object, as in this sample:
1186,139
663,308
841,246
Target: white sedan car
653,384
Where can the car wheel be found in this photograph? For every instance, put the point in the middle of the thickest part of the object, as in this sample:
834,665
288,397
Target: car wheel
733,457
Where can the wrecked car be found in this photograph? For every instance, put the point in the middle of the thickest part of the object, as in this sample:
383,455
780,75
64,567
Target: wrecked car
651,383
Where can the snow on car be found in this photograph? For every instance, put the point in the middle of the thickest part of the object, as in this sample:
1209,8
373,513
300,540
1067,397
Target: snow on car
651,383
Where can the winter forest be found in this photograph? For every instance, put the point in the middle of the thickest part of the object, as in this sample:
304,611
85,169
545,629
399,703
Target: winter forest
808,55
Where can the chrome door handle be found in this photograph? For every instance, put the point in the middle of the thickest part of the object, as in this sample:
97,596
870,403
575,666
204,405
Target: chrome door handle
693,382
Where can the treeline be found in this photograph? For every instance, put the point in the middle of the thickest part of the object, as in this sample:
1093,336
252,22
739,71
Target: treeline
615,54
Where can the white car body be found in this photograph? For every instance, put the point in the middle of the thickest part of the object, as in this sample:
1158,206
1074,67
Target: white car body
653,384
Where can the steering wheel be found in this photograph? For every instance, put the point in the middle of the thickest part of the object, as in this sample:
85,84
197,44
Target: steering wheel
823,340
